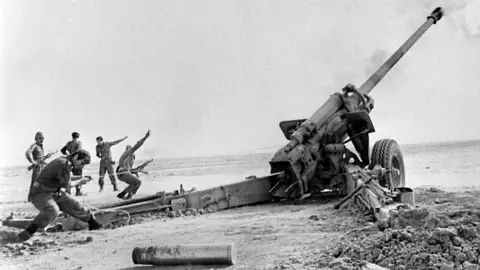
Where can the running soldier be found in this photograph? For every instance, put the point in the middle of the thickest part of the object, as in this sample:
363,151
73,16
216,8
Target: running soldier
106,163
35,156
124,168
48,197
72,146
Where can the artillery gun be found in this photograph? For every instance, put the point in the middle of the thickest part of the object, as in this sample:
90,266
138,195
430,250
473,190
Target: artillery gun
317,159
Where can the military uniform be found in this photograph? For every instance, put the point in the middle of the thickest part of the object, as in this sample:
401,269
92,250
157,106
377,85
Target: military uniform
45,194
106,163
47,197
35,151
69,148
125,165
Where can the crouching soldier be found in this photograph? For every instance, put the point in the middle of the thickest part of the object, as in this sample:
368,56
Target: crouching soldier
124,170
46,194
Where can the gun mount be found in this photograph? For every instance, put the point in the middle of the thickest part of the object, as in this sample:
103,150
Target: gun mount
316,157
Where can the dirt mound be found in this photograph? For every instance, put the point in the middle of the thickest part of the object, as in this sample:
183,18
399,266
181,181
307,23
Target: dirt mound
417,238
318,260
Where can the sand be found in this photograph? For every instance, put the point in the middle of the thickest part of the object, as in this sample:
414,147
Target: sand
272,236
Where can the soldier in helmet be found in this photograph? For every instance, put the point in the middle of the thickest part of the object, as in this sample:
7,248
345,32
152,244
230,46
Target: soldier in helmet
48,197
72,146
35,156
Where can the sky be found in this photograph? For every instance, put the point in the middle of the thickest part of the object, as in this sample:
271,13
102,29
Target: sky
217,77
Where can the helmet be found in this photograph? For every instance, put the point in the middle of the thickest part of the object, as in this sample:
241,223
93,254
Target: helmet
75,135
38,135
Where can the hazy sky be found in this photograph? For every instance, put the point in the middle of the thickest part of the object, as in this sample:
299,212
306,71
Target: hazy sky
214,77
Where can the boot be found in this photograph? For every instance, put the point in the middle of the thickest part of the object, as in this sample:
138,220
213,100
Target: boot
24,235
115,187
93,224
101,189
129,196
121,195
28,232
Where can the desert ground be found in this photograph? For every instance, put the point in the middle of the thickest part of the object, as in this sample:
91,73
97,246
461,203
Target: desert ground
267,236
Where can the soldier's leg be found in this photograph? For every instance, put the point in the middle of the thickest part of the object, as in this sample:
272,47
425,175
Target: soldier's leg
133,185
78,191
102,171
35,173
111,174
72,207
68,189
78,188
136,185
49,210
121,177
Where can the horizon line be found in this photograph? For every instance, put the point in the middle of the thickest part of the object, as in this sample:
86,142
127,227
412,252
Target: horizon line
244,152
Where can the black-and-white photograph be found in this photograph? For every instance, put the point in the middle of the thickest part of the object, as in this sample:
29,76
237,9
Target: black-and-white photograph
240,134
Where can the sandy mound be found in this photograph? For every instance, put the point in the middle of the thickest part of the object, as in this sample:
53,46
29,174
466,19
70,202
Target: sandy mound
415,239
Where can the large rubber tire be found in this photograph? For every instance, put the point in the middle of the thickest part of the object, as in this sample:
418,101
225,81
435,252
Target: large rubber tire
387,154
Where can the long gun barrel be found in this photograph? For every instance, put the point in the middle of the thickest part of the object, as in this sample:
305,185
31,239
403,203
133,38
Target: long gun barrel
368,85
324,113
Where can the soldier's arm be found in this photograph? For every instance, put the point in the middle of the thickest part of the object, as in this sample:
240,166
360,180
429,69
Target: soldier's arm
66,179
79,180
75,177
140,142
98,152
29,153
64,149
118,141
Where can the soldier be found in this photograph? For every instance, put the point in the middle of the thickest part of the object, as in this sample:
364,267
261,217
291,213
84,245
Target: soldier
34,155
124,168
46,194
106,163
72,146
